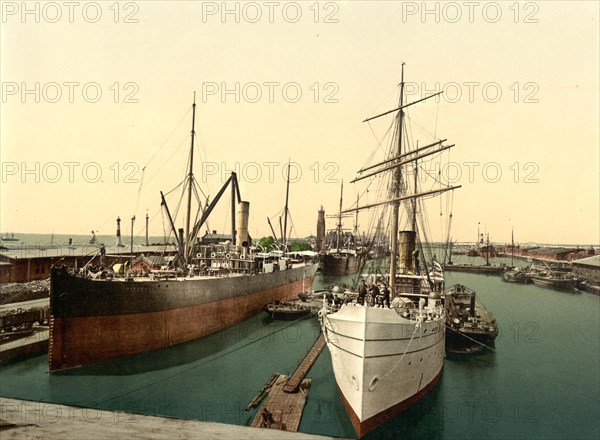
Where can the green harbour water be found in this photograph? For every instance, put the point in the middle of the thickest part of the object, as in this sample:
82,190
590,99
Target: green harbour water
541,382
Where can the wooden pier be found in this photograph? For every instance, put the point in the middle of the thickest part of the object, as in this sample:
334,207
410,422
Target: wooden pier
296,379
286,395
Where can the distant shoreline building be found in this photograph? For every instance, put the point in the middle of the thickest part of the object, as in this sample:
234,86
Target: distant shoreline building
589,270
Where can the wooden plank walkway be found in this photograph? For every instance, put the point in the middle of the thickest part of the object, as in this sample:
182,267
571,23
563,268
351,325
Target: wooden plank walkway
263,391
287,395
296,379
282,410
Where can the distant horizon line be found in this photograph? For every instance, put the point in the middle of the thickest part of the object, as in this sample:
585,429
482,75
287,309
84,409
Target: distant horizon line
125,235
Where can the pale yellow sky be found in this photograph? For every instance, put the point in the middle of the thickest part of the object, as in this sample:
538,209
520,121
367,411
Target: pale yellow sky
521,83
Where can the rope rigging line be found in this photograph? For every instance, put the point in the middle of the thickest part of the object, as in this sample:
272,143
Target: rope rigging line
176,212
168,137
174,189
437,112
379,143
139,193
183,141
471,339
197,187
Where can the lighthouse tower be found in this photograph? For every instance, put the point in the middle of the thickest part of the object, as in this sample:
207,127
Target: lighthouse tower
147,243
320,247
118,243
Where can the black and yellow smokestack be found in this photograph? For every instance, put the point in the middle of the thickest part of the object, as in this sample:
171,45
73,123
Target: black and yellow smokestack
406,248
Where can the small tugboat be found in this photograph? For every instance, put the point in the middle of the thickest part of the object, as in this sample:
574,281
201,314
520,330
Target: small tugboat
471,327
553,275
287,310
517,275
555,281
294,309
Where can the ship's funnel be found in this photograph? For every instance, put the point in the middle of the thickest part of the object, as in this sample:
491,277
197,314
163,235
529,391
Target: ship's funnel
181,239
242,223
406,248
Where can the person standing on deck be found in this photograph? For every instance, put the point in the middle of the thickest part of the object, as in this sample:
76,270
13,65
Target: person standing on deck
362,292
386,296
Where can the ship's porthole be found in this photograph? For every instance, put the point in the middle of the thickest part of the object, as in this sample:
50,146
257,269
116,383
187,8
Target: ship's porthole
374,383
355,382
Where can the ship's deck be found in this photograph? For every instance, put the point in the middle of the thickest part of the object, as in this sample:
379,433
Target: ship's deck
157,276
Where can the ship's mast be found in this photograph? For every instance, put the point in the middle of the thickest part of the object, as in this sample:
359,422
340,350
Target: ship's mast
356,219
398,161
187,244
512,248
414,216
285,214
339,225
233,227
396,205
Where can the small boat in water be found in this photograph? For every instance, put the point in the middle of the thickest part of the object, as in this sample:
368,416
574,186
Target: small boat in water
555,281
552,275
294,309
287,310
471,327
517,275
474,268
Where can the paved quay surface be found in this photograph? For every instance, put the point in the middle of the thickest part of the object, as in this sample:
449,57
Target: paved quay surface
21,419
36,343
25,305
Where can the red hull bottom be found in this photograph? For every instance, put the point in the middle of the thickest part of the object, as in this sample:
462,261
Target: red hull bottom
364,427
79,341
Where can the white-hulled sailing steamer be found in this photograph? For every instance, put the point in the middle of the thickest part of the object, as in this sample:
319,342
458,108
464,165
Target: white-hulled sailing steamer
386,354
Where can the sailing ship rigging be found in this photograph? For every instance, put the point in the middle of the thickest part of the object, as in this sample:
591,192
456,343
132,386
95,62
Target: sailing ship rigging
386,356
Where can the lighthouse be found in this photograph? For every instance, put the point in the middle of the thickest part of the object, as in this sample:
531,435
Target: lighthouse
118,243
320,246
147,243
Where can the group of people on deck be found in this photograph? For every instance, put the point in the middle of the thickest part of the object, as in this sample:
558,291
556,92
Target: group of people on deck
372,295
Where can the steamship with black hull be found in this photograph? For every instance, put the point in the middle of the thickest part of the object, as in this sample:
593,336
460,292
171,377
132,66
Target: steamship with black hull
385,357
99,315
